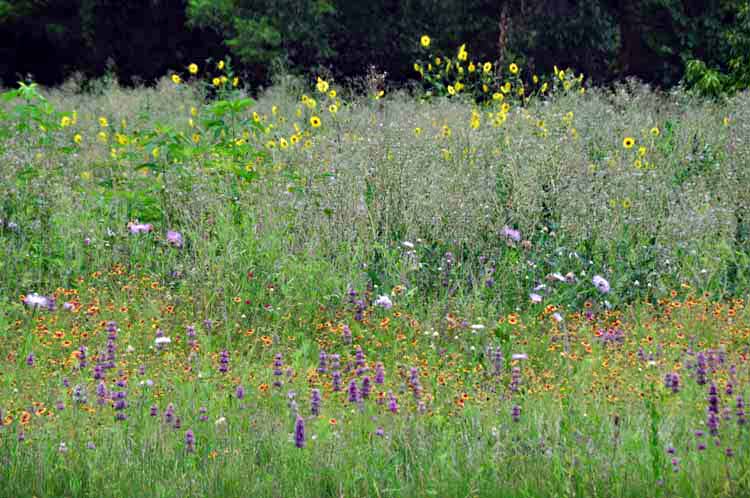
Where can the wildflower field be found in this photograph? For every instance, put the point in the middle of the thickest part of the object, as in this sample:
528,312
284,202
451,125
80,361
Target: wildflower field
490,283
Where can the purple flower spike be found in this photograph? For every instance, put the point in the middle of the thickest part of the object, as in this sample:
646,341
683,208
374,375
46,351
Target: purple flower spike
515,413
299,432
240,392
379,373
366,387
315,402
189,441
353,391
392,402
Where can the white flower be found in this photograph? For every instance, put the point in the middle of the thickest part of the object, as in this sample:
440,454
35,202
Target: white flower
407,244
162,340
557,317
221,424
478,326
520,356
535,298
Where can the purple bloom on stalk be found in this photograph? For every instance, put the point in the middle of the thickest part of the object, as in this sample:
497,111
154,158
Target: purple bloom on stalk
169,413
379,373
154,411
515,413
30,359
224,361
239,392
366,386
174,238
336,381
315,402
90,445
713,424
379,432
346,334
278,363
322,361
741,420
189,441
392,402
601,284
299,432
353,391
701,368
416,386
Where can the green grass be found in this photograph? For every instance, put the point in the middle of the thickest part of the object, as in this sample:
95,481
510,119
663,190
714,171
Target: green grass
276,239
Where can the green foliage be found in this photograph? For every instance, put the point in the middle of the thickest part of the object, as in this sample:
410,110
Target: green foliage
260,31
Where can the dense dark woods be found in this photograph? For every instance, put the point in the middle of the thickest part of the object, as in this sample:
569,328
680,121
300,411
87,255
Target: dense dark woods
660,41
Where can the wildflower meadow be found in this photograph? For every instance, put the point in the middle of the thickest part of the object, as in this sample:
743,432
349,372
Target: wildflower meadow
487,282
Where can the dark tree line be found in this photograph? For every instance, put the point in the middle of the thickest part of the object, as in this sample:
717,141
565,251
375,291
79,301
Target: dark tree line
140,40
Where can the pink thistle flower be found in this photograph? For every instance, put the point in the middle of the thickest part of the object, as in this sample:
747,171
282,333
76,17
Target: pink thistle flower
174,239
140,227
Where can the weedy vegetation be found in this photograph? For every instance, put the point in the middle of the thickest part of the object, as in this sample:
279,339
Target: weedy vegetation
491,283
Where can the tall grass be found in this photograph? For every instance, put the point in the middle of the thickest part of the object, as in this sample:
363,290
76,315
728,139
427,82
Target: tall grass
397,196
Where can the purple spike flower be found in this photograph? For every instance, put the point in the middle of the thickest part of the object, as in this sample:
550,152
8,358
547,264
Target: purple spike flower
224,361
299,432
672,381
239,392
315,402
515,413
278,363
353,391
346,334
392,402
701,368
336,375
379,373
366,387
740,406
359,357
189,441
169,414
416,386
30,359
322,360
